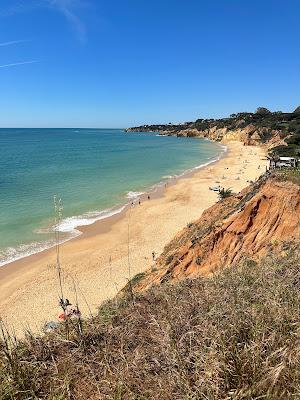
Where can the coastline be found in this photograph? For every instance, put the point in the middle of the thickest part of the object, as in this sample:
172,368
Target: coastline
29,286
71,227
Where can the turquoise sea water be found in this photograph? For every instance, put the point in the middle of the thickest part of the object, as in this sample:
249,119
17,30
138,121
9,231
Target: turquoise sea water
94,171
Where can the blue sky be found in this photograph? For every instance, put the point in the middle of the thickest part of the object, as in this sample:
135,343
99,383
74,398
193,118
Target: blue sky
117,63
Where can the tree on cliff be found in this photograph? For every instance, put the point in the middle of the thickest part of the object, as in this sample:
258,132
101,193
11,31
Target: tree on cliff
262,111
224,193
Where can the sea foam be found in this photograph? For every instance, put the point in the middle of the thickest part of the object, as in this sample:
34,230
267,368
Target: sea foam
90,169
134,195
68,227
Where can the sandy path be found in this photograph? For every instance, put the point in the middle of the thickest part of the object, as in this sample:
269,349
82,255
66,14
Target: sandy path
28,288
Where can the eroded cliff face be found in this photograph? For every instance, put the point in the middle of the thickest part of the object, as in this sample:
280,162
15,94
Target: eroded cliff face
257,220
249,135
270,129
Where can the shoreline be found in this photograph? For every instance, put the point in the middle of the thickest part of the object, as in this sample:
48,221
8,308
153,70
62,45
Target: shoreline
156,191
97,259
77,230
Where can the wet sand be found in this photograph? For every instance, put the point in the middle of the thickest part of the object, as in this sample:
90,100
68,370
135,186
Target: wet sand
96,265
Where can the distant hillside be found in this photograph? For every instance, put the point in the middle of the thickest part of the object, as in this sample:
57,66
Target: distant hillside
277,130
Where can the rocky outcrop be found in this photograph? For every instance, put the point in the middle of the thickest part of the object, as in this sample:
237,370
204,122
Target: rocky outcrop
190,132
249,135
259,219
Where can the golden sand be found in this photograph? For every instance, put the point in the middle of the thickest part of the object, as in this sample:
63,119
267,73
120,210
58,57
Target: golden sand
96,263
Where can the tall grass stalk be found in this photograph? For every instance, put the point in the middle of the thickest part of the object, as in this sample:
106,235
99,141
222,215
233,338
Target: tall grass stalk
58,210
128,256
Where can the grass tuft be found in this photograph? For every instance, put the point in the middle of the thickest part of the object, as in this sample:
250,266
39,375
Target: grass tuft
289,174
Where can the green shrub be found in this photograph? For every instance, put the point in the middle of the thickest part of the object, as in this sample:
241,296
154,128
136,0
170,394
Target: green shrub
224,193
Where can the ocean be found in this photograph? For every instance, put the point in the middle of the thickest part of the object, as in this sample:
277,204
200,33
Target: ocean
94,171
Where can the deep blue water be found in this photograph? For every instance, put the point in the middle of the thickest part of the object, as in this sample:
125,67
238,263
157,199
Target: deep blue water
90,169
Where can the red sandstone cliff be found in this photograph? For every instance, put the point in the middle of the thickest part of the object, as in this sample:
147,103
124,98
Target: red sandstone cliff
257,220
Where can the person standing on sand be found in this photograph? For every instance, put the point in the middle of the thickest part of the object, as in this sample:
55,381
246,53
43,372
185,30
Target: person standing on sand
148,197
153,255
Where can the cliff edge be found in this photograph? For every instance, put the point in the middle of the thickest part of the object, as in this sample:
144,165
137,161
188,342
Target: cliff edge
252,223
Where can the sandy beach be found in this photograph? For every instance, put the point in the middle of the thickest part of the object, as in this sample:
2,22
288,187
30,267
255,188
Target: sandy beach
96,263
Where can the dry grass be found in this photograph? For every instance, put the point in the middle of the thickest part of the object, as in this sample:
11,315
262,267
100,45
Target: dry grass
291,175
235,336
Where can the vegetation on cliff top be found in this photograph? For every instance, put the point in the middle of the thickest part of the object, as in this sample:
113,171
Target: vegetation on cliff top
290,175
235,336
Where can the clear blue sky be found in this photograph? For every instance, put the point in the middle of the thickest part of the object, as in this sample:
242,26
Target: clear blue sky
117,63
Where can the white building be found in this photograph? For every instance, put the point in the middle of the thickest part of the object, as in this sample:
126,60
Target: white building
283,162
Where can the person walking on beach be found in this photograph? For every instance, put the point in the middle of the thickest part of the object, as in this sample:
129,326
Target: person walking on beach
148,197
153,255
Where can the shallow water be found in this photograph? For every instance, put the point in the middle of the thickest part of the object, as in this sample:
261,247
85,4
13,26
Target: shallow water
94,171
